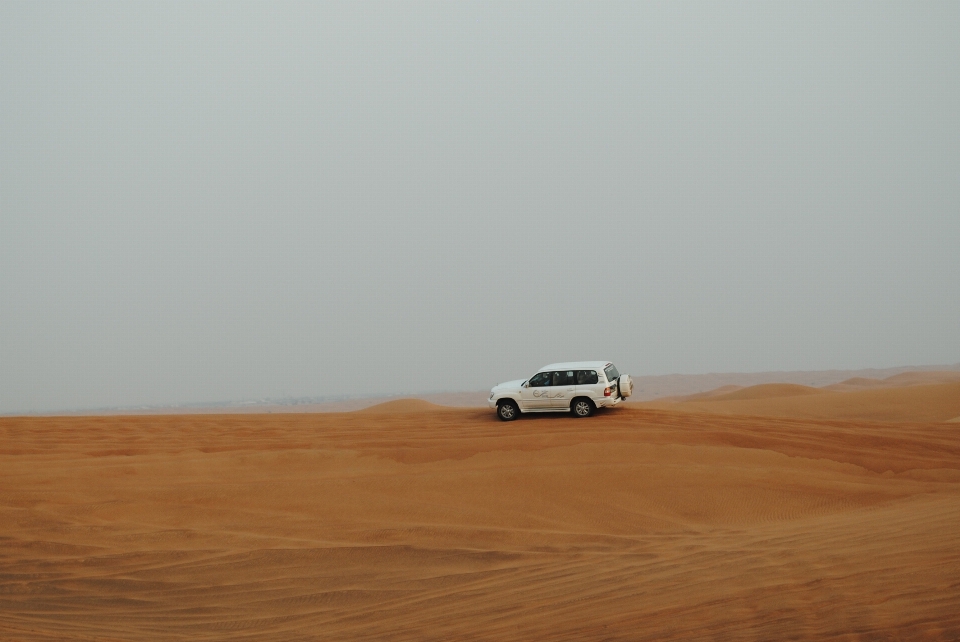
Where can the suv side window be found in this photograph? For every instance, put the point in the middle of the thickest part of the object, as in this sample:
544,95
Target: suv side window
563,378
540,380
586,377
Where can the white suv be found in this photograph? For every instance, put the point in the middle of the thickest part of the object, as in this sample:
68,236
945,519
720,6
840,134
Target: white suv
579,387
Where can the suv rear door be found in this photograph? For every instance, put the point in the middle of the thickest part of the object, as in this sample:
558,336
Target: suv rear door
588,384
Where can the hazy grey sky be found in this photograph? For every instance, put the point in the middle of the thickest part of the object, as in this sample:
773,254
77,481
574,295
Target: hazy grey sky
235,201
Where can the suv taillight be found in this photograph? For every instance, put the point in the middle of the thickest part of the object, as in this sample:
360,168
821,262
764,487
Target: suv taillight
607,392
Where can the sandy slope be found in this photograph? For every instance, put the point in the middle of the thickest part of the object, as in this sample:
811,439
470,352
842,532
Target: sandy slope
408,522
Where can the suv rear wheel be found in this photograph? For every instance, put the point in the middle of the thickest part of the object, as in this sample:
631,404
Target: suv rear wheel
507,410
581,407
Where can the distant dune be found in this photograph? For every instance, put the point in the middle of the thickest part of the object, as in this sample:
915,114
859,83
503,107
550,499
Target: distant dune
722,390
768,391
647,388
403,406
896,381
910,402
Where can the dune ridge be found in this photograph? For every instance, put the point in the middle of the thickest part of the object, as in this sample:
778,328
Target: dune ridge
896,381
768,391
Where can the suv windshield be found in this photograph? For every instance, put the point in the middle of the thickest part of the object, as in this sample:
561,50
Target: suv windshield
611,372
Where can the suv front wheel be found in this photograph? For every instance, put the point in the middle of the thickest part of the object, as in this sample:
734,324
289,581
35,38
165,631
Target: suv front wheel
581,407
507,410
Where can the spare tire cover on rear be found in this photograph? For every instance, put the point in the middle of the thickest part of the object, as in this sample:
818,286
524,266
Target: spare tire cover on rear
625,384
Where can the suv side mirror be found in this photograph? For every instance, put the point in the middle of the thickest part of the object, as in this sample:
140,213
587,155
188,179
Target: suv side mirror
525,384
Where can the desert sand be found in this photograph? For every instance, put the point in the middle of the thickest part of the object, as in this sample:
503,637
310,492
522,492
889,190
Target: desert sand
752,514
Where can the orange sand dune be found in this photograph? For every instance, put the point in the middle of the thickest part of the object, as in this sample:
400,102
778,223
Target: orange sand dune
858,382
938,402
768,391
412,523
731,392
896,381
716,392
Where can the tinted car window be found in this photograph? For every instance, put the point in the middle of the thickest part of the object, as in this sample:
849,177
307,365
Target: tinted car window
586,377
540,379
611,372
563,378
